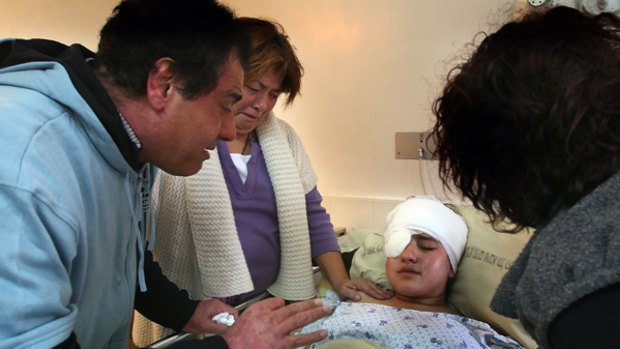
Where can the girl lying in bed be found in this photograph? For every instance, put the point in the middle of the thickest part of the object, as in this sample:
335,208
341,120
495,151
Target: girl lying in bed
423,243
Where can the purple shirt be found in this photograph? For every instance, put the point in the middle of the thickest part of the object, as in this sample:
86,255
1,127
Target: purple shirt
256,218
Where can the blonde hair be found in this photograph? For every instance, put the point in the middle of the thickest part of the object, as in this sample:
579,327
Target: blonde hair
271,50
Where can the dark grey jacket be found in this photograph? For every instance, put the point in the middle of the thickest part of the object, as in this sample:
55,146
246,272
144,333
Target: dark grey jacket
574,255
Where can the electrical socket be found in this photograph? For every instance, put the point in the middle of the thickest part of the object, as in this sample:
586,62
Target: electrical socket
409,144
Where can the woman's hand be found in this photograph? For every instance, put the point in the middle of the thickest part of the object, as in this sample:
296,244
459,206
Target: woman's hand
332,267
349,290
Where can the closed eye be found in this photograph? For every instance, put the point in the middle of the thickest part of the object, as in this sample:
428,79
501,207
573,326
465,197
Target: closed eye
426,243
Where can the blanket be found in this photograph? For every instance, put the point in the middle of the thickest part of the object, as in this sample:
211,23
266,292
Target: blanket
405,328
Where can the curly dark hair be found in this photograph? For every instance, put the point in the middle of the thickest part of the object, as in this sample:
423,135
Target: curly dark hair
531,122
199,35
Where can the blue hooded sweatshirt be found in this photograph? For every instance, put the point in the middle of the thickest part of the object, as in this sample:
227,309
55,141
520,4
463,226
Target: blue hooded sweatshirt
70,202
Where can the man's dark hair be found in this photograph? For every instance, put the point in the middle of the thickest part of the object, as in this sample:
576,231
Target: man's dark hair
199,35
531,122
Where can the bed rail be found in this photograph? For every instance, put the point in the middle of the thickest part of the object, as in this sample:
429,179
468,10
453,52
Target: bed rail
175,338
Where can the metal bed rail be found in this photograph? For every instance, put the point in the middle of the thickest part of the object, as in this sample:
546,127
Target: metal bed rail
175,338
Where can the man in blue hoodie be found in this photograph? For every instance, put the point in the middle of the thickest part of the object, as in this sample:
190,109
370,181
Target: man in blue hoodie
78,135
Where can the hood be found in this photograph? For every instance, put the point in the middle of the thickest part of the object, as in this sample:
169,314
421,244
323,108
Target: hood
65,74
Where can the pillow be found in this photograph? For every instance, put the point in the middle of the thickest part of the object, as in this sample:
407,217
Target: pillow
354,238
369,261
488,255
369,265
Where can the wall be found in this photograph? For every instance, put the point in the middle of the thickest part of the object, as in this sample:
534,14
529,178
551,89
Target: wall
372,68
67,21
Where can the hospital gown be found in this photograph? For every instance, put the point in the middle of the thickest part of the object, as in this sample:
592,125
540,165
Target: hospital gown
405,328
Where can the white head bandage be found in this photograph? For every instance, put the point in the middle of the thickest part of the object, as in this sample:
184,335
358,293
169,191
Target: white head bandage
425,214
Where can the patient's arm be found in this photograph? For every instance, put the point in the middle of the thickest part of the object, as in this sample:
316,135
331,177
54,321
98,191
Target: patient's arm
333,269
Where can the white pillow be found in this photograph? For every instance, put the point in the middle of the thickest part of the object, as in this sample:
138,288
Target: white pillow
369,261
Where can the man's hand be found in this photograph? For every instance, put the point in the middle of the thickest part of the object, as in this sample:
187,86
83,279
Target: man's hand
349,288
201,322
268,324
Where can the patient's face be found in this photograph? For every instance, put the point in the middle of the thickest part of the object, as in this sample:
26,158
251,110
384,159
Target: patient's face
421,270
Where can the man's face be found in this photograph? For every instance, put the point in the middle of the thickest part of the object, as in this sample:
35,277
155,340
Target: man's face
191,126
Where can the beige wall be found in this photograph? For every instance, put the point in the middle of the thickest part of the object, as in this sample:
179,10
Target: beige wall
372,69
67,21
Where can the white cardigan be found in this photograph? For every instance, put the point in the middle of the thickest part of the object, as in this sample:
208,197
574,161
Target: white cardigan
197,245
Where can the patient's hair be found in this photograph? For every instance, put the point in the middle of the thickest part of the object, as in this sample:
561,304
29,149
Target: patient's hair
199,35
531,122
271,50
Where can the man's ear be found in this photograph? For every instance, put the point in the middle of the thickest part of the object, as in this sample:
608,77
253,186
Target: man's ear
159,83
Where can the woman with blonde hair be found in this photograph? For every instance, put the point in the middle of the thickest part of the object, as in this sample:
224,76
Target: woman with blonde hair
251,220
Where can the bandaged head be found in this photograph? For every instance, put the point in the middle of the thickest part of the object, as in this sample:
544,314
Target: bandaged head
425,214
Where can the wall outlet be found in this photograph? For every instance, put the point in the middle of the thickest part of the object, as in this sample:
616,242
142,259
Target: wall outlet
409,145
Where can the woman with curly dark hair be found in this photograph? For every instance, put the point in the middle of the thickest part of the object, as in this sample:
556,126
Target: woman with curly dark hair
529,130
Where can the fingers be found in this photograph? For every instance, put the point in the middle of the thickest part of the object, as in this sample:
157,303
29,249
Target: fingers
301,314
349,291
201,322
272,303
298,315
212,307
301,340
268,324
370,289
377,292
216,328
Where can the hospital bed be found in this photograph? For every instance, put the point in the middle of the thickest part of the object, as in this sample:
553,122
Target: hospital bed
488,255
